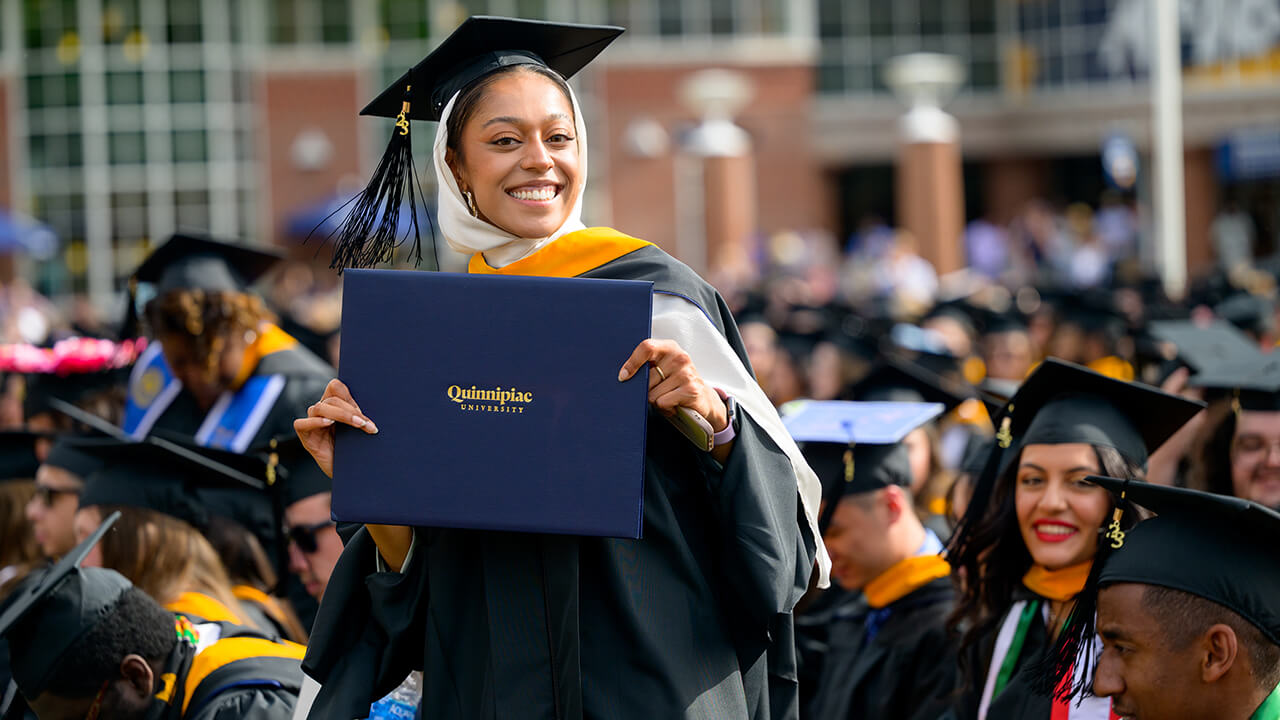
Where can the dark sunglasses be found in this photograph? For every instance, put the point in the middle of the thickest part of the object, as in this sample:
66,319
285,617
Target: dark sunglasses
47,494
304,536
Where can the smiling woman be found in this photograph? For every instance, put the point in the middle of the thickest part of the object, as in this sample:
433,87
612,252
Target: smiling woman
531,625
1029,538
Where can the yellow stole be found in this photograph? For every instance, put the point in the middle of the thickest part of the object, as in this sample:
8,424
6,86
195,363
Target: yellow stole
271,339
567,256
1058,585
224,652
203,607
1113,367
247,593
904,578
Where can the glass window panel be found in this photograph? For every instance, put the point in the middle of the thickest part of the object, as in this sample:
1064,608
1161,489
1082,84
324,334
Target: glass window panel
722,17
190,146
284,22
192,208
335,22
880,16
35,91
831,76
405,19
184,21
670,17
186,86
124,88
982,16
534,9
932,22
126,148
831,19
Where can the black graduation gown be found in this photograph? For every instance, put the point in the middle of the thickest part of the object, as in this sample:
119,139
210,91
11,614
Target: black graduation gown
1019,700
898,662
692,621
230,684
813,635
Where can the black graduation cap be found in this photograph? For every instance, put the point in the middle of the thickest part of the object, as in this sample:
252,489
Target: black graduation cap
197,262
1206,346
856,447
18,455
977,448
67,455
897,380
156,474
43,388
482,44
52,609
1249,312
1252,382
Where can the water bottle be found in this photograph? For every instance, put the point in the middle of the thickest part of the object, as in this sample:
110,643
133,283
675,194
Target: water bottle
402,703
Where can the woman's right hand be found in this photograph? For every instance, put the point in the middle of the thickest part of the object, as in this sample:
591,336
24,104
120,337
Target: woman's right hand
316,429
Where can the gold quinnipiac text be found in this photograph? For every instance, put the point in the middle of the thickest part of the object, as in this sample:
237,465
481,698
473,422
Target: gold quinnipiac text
495,400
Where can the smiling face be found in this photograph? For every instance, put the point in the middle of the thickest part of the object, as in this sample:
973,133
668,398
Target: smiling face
1255,457
518,155
1058,512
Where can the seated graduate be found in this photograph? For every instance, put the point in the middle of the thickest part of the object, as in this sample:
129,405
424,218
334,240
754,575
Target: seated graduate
59,481
692,621
85,643
220,371
1027,542
1188,609
897,658
163,498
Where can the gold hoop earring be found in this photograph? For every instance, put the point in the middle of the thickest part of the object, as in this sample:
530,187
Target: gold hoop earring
471,203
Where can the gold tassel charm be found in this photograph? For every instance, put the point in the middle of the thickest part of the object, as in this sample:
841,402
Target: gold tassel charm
272,461
848,465
402,120
1235,403
1005,436
1114,533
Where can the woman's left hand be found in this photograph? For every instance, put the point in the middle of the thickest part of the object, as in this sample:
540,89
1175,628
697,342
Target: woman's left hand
675,382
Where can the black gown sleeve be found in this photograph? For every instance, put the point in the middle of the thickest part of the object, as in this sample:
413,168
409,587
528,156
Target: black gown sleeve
256,703
369,631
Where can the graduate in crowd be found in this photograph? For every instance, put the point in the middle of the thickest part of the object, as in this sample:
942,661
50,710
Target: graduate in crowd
163,499
1188,609
18,465
1239,449
220,370
1027,542
59,481
897,658
85,643
508,623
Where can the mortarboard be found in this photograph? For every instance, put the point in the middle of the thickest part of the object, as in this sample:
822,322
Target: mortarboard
43,388
896,380
1205,347
18,455
183,482
1061,402
1216,547
201,263
977,448
52,609
1252,382
67,455
479,46
1249,312
856,447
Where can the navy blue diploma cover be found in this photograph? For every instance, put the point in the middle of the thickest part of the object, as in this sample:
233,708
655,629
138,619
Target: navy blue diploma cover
497,402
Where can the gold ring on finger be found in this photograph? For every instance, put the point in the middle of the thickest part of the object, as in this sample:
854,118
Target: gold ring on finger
660,373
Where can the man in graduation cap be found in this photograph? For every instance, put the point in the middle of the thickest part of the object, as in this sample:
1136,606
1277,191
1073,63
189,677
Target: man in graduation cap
59,481
85,643
1240,456
895,659
1188,609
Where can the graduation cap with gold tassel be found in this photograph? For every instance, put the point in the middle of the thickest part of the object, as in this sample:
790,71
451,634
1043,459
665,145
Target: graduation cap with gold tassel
479,46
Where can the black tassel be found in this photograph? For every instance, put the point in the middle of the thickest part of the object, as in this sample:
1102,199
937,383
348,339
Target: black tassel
370,233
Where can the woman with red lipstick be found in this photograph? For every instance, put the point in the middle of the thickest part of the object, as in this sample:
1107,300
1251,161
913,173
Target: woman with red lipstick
1026,545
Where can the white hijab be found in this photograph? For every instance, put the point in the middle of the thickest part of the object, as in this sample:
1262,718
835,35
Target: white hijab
468,234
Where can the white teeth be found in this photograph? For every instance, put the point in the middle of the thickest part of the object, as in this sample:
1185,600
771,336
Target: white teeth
1055,529
543,193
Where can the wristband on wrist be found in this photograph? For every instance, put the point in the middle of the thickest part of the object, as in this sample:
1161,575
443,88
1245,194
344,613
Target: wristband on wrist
730,430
